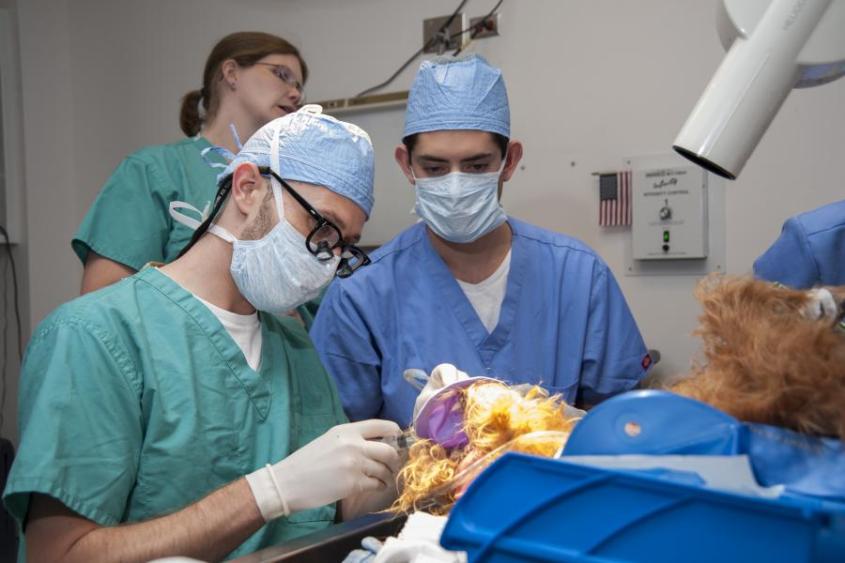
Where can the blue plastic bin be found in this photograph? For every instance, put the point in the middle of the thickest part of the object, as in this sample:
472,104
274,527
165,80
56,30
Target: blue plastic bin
526,508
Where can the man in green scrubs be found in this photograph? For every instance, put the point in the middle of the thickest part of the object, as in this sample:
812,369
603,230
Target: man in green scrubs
168,404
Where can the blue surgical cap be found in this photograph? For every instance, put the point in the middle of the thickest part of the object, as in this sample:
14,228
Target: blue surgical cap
458,93
315,148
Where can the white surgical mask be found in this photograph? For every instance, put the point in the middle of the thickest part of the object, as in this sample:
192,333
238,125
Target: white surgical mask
460,207
277,273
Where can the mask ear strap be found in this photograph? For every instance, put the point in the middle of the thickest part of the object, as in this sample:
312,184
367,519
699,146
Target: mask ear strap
223,152
274,166
504,161
277,196
190,222
222,233
235,137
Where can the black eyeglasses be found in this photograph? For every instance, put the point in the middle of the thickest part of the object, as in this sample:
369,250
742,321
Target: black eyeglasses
325,237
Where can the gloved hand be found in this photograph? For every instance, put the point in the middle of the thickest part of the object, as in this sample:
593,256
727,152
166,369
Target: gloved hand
370,546
821,305
441,376
347,460
368,502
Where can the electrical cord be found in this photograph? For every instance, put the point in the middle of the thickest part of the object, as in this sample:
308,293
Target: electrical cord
5,326
8,245
413,57
476,29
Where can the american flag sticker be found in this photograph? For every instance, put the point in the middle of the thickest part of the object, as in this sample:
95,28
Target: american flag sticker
615,199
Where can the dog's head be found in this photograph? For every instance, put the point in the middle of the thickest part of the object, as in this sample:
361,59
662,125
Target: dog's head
771,354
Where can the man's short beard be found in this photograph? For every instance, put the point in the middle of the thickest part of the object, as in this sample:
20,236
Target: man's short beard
263,222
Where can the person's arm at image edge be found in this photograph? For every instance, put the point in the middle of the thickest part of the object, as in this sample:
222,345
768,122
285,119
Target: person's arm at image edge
126,226
100,271
618,360
207,530
345,346
789,260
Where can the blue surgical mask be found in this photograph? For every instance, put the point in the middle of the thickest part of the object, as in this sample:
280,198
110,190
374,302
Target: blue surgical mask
460,207
277,273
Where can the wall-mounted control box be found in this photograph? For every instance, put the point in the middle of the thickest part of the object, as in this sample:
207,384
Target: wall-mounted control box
670,213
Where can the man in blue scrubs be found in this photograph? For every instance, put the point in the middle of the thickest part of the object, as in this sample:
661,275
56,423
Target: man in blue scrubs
469,285
810,250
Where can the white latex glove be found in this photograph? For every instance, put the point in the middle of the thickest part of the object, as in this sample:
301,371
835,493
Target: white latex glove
368,502
441,376
345,461
821,305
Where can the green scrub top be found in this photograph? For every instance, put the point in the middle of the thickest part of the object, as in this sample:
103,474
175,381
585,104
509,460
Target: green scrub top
135,402
130,222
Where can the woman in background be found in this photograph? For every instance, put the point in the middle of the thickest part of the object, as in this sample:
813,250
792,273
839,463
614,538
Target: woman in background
250,78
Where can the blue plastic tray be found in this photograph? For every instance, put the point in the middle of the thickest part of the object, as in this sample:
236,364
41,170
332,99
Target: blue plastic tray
525,508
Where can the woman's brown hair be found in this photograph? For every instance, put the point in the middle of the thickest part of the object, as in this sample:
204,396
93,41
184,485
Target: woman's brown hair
245,48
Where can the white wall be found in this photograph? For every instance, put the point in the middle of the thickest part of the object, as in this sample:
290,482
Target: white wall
590,82
14,222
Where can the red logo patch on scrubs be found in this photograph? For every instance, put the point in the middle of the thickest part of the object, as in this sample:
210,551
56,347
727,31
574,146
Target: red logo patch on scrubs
646,361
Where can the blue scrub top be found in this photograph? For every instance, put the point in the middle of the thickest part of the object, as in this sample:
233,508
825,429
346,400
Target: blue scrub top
810,250
135,402
564,324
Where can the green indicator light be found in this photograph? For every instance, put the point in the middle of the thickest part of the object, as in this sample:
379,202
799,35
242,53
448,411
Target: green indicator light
665,236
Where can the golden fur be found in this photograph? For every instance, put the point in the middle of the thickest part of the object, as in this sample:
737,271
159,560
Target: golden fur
498,418
764,361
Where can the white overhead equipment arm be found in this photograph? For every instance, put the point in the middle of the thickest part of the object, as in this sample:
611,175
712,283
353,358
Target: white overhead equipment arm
773,46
